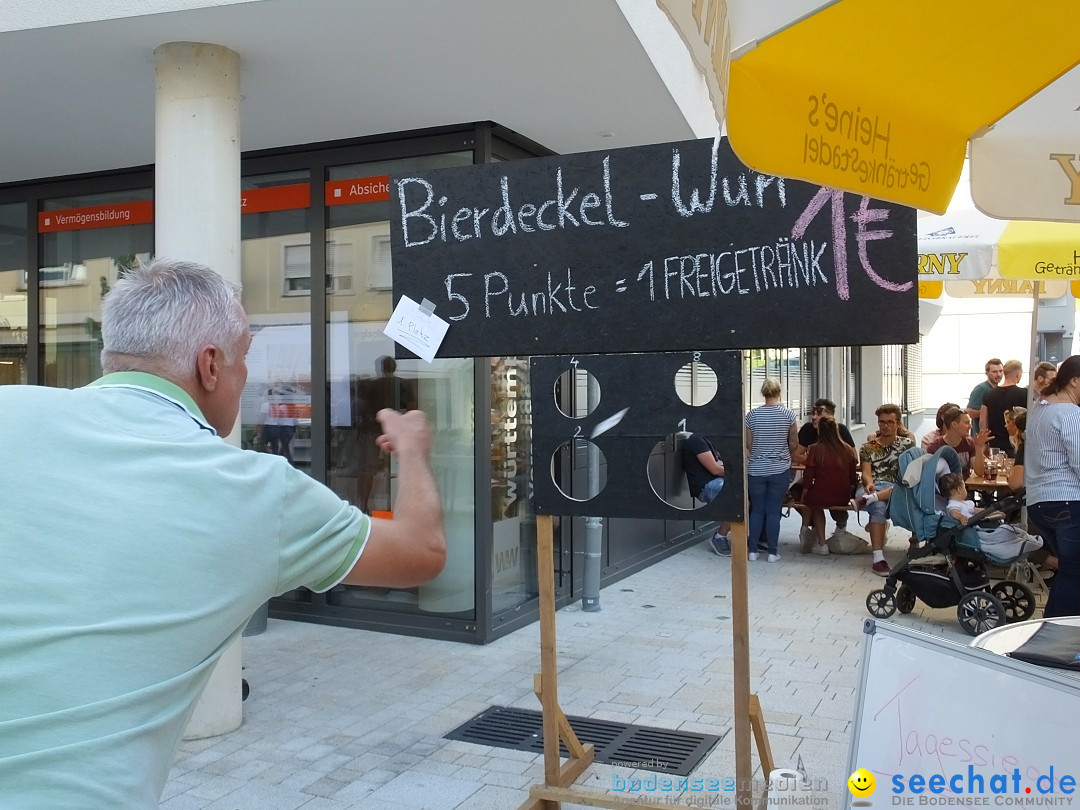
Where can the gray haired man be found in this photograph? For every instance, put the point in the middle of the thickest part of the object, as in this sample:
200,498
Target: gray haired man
140,543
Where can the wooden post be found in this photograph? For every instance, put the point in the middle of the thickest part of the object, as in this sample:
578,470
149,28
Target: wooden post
559,778
549,671
581,756
740,651
761,736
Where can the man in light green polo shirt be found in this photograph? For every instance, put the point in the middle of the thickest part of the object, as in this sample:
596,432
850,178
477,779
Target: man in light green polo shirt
136,543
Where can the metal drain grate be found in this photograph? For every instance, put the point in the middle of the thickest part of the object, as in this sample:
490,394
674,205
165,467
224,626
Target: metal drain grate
651,749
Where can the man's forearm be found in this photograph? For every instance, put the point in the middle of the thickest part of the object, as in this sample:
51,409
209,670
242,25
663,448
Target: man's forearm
866,474
978,460
408,549
417,505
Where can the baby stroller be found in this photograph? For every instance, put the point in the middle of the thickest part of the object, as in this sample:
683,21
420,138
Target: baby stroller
961,579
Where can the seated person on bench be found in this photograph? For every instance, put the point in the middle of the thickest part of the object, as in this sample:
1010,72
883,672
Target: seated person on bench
829,478
705,475
879,461
956,434
808,435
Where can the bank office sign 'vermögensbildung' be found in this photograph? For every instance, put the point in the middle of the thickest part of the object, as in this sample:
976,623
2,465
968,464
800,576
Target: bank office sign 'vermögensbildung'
663,247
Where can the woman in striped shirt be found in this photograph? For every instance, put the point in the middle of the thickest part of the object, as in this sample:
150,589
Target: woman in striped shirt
771,437
1052,478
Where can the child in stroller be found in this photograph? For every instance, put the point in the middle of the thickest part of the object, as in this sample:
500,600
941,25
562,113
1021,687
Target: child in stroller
958,575
1000,541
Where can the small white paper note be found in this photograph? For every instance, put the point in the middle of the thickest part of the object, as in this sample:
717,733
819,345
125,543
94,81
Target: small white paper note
418,331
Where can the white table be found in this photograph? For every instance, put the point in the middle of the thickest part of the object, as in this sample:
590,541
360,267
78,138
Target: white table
1003,640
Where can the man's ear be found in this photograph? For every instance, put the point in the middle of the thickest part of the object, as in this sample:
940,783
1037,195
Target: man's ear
208,366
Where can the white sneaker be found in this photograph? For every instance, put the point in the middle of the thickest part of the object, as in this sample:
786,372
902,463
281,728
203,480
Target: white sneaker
774,558
806,539
820,549
752,556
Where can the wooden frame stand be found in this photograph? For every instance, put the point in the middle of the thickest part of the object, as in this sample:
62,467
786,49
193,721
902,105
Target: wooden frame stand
558,777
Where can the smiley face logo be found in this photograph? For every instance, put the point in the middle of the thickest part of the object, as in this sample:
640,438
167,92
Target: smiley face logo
861,783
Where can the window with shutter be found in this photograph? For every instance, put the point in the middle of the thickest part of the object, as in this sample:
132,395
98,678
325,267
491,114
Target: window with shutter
340,268
382,277
296,265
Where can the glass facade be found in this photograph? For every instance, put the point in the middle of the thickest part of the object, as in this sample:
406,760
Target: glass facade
88,241
318,289
901,369
794,368
275,409
13,294
513,552
364,378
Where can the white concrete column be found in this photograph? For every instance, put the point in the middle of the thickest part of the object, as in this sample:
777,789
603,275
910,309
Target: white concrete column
197,155
197,218
219,708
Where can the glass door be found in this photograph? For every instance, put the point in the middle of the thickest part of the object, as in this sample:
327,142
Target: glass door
364,377
275,410
13,294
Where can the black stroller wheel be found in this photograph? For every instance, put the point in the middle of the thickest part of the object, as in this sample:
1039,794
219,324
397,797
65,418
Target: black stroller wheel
881,604
1017,598
905,599
979,611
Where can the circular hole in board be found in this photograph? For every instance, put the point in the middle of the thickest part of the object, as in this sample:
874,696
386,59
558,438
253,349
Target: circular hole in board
572,393
667,473
587,466
696,383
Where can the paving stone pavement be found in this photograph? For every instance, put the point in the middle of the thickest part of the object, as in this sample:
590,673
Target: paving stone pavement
342,718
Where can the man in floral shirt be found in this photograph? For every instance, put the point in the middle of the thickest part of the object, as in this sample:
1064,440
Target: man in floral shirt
879,462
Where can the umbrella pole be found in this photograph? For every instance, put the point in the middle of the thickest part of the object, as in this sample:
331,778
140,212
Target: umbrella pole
1033,358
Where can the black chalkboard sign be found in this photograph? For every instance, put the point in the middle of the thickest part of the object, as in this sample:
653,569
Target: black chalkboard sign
638,425
652,248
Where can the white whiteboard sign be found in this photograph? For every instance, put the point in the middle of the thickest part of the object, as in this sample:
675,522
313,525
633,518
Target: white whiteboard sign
929,707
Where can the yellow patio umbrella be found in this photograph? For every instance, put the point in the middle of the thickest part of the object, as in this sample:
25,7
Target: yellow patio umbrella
970,246
964,244
1014,257
881,98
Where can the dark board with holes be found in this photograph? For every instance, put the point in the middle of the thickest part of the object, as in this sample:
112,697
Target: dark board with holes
635,441
653,248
